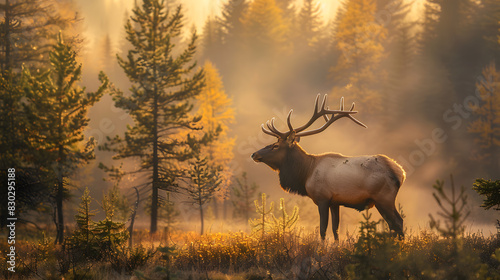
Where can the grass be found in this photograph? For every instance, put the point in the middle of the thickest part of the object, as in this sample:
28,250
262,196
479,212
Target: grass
372,254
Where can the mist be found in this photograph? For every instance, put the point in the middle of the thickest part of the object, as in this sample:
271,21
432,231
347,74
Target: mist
419,128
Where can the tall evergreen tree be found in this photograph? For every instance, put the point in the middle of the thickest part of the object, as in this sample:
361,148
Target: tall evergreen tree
28,30
486,124
309,25
232,14
56,111
212,40
164,81
265,28
358,39
243,197
203,183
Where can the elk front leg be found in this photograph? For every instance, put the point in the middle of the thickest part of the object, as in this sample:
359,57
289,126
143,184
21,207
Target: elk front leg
335,209
323,218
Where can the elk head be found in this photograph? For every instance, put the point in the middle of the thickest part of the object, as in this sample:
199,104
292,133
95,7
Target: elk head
275,154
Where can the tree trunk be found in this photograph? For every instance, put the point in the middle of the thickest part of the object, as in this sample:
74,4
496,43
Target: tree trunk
154,195
60,195
201,217
59,209
6,62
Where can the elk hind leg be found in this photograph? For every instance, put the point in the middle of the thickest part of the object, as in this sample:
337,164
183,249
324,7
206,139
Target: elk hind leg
392,217
323,218
335,209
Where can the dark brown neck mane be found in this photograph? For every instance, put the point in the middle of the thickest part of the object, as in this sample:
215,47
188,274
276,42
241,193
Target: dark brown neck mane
295,170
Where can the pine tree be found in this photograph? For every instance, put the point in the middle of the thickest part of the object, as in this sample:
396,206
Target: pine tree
486,124
232,13
83,238
453,211
265,28
204,181
212,39
27,31
490,189
309,25
285,222
358,39
84,217
243,196
262,224
164,82
32,189
109,234
56,110
13,142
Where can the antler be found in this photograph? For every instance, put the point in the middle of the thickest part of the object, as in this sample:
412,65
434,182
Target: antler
318,112
273,131
325,111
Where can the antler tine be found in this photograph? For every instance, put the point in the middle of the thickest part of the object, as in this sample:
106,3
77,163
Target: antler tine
288,121
324,103
325,111
356,121
319,111
276,131
316,103
267,131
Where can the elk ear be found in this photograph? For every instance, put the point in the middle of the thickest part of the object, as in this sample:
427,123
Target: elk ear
291,139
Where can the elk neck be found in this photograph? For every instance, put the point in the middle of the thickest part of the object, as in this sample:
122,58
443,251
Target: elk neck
295,170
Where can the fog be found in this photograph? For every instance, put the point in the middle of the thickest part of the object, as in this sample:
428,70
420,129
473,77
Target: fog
267,85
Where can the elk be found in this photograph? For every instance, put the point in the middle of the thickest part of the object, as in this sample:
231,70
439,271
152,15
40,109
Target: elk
332,180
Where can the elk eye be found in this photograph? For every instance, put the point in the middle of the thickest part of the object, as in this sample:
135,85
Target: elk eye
275,146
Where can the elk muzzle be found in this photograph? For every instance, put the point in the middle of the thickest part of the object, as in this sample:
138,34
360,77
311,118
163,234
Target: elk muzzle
256,157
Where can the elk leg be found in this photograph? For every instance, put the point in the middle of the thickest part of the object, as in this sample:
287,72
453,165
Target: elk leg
335,209
323,218
392,217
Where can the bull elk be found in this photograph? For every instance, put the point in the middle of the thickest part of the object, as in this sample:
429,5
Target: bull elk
332,180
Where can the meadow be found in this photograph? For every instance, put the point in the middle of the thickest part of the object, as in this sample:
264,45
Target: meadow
275,252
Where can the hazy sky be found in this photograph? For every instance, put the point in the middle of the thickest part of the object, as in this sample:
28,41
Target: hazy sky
103,17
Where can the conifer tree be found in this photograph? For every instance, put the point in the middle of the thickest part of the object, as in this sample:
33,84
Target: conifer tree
265,28
491,190
486,124
358,38
109,234
309,24
262,224
164,81
84,217
232,13
212,39
203,183
28,29
285,222
243,196
56,111
12,124
83,238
